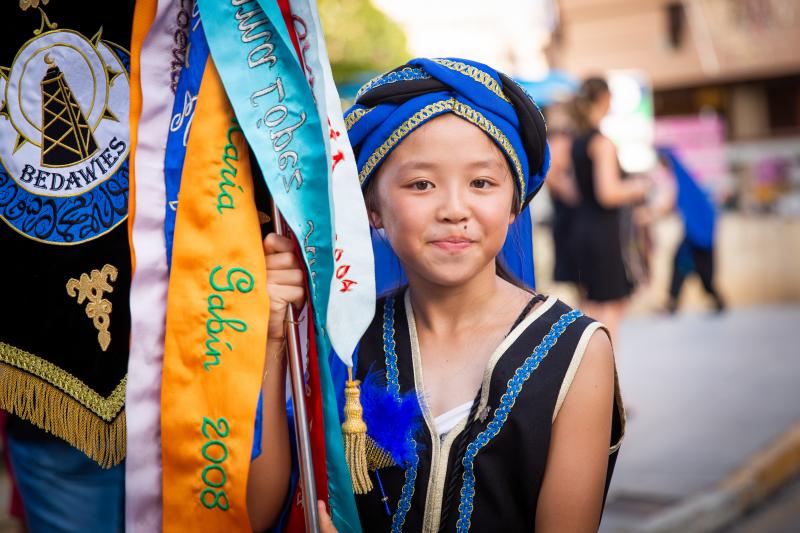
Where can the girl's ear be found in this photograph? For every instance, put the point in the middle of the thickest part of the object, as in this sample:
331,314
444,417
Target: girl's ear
375,220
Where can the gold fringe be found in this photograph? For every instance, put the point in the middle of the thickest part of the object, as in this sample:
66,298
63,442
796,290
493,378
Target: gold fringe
377,457
355,437
51,409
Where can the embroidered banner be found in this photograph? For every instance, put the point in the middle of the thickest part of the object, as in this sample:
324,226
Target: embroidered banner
159,49
252,48
252,51
217,315
352,301
64,143
188,86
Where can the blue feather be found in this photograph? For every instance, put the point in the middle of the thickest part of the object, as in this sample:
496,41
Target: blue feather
389,422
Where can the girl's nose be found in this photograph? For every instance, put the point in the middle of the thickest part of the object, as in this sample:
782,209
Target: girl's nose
454,207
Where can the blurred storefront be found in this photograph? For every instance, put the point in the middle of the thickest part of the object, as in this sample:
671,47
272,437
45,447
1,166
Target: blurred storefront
727,68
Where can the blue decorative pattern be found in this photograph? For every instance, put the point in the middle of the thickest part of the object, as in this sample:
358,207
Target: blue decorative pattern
392,375
393,388
69,219
406,74
507,401
404,504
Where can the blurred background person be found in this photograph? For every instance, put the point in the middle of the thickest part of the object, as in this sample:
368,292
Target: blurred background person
564,194
603,278
695,253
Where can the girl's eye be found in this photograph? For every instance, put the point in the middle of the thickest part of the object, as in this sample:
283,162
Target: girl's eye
422,185
480,183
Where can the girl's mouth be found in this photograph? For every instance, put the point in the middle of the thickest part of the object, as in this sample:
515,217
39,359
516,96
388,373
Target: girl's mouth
453,244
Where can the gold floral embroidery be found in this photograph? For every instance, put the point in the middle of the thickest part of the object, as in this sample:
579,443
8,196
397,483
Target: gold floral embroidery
25,4
98,309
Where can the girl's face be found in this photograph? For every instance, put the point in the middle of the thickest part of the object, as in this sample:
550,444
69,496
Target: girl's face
444,200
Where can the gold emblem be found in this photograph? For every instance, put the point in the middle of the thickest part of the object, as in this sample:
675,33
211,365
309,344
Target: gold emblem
25,4
92,288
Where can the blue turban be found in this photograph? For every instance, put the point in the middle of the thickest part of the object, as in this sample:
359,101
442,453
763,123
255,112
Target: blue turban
392,105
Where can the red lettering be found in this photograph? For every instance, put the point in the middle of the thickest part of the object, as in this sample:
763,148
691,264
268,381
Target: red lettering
342,271
337,254
333,133
337,158
346,284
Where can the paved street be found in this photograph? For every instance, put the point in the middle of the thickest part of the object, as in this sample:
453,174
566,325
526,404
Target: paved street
704,394
781,514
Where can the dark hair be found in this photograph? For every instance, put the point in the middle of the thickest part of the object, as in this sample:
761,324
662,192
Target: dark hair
588,94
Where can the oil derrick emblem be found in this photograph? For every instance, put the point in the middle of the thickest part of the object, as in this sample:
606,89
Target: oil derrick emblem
66,136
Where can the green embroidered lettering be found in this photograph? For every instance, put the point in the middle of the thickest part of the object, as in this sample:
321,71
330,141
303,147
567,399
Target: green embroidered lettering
244,284
213,496
221,428
238,280
207,455
229,154
210,483
219,499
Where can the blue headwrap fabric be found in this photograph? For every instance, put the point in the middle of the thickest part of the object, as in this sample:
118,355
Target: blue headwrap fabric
391,106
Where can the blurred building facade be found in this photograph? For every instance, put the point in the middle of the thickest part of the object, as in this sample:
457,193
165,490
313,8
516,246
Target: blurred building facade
736,60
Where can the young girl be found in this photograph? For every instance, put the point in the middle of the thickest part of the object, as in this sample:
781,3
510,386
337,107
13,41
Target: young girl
521,419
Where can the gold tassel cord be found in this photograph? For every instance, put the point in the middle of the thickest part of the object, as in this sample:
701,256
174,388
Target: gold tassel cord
52,410
355,436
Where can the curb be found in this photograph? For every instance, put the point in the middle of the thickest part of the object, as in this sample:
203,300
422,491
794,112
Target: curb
752,483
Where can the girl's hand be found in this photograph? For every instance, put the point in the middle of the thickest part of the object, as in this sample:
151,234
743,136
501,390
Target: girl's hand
284,281
325,522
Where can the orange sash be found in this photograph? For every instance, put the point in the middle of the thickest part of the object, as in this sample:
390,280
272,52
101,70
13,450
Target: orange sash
217,314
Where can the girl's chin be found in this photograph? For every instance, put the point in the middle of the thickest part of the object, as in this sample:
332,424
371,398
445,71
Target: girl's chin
450,275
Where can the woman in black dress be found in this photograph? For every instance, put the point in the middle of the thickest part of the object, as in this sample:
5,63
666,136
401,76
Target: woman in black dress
603,278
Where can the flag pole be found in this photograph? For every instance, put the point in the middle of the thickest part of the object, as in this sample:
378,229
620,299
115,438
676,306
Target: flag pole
307,484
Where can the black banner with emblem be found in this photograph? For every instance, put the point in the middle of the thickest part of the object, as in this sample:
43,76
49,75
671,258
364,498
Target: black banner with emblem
64,145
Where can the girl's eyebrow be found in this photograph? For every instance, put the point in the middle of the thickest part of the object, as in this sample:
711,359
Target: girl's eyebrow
418,164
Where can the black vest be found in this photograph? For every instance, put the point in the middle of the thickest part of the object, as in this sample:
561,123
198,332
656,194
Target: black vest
486,473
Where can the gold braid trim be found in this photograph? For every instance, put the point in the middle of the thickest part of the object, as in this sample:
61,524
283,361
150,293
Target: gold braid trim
484,78
354,116
105,408
49,408
443,106
404,129
476,117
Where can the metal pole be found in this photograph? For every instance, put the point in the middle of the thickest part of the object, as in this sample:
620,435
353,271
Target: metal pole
305,459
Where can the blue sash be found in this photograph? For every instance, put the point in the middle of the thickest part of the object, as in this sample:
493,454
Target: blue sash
253,53
179,125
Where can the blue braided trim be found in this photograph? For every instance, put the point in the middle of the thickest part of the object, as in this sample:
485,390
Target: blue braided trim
393,388
507,401
404,504
392,376
406,74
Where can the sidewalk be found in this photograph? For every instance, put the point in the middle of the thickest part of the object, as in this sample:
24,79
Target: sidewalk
707,395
